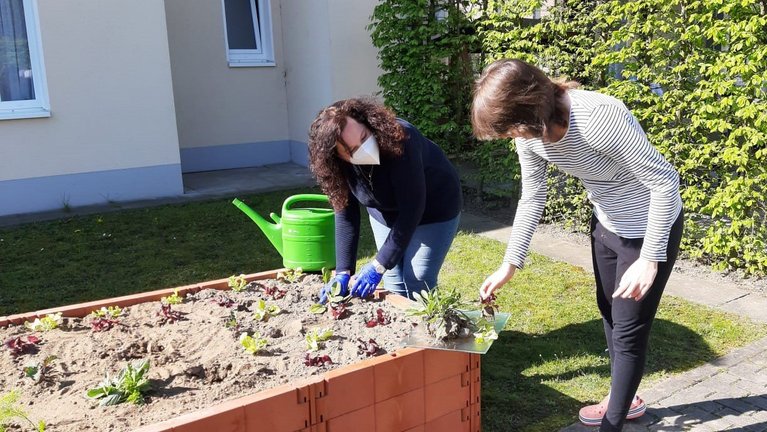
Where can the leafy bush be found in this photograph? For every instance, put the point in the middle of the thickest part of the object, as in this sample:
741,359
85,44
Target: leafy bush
692,72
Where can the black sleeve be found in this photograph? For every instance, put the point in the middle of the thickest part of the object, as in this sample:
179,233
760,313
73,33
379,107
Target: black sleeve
409,183
347,235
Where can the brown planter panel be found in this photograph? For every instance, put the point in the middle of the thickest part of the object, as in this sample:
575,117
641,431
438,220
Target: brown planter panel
400,374
444,396
401,412
440,364
454,421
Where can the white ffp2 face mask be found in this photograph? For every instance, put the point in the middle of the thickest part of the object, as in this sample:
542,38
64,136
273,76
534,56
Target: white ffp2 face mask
367,153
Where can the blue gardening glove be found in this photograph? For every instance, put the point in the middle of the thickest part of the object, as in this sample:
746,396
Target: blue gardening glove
366,281
340,278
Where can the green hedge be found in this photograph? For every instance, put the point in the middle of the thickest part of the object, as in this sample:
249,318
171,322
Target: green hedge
693,72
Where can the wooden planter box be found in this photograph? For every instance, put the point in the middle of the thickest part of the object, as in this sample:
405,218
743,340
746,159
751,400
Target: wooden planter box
409,390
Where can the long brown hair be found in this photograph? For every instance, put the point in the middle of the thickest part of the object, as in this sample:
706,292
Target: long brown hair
512,95
325,133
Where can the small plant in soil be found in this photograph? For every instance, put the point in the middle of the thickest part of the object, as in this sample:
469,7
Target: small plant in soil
262,310
318,308
327,274
253,344
317,361
46,323
172,299
168,315
291,275
233,323
369,348
440,310
129,385
338,304
105,318
379,319
9,411
42,371
237,283
223,301
273,292
314,337
22,345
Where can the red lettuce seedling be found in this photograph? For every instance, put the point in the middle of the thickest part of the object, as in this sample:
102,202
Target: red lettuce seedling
369,348
168,315
273,292
223,301
317,361
338,311
19,345
102,324
489,308
380,318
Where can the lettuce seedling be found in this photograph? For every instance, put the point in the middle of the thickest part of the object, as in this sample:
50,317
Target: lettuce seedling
327,274
128,386
223,301
485,331
172,299
253,344
102,324
273,292
20,345
318,309
380,319
291,275
238,283
317,360
168,315
338,311
369,348
314,337
42,370
9,411
489,307
263,311
46,323
112,312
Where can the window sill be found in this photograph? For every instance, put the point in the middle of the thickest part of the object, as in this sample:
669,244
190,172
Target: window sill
24,113
252,64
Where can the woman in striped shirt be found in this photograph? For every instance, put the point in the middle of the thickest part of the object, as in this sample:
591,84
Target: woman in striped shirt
637,217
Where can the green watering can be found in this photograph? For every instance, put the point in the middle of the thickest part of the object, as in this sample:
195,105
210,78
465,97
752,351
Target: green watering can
305,237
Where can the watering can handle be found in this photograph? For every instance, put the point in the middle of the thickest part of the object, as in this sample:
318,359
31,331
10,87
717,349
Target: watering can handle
303,197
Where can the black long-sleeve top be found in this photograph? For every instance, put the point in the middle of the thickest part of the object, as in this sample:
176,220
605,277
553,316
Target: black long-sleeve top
419,187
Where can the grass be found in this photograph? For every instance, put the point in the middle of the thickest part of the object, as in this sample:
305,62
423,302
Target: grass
549,360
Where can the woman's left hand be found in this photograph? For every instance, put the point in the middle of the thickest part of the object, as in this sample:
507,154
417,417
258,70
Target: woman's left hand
637,280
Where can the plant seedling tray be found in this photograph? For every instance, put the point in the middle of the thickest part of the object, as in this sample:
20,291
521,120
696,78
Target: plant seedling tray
419,338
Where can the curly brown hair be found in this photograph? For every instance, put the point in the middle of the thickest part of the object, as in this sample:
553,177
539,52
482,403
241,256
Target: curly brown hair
325,133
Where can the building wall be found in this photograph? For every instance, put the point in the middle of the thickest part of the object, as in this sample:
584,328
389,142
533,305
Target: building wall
112,111
227,117
328,56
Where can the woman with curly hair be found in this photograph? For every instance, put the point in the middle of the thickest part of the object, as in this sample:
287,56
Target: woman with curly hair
360,153
637,219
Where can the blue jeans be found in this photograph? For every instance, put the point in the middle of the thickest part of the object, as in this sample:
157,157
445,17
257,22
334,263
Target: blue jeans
419,267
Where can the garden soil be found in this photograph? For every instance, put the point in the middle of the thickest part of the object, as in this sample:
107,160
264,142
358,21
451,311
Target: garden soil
195,362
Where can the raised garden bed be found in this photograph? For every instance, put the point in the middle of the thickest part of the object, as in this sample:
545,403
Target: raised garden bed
204,380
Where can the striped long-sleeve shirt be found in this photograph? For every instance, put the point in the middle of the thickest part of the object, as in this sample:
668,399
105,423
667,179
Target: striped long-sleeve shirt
634,190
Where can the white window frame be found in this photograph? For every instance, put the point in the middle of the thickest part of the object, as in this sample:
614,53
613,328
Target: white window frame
40,105
262,26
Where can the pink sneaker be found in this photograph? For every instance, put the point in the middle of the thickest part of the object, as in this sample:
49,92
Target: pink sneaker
592,415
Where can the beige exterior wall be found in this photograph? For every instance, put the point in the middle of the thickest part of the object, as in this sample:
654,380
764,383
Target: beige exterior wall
328,56
110,91
217,104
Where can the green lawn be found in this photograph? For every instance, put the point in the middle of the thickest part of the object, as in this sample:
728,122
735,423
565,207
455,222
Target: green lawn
549,360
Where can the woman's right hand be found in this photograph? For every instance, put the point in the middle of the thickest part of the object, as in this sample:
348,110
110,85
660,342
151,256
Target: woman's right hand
496,280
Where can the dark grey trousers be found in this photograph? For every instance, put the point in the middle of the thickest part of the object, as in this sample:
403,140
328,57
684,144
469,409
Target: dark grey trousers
627,322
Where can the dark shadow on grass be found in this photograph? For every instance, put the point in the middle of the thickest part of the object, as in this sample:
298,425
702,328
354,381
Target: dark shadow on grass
515,401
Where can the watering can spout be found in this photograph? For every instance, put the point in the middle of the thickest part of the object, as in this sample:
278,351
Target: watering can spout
273,231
